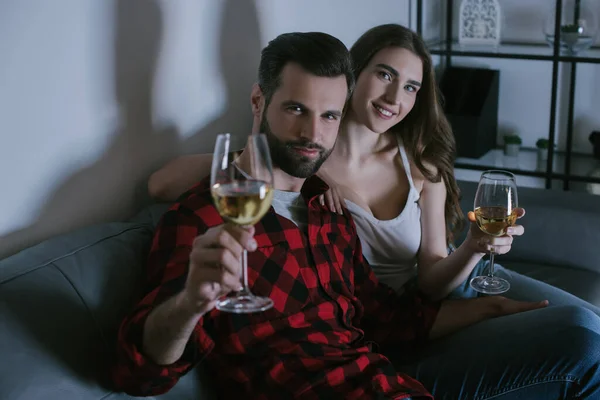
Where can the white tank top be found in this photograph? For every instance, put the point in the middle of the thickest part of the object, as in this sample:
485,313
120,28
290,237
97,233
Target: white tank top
391,246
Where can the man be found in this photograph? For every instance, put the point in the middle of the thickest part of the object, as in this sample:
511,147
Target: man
331,320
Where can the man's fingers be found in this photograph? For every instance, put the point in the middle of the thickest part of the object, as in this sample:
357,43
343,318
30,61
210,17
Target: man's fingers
243,236
530,305
216,259
225,240
220,280
211,285
505,306
234,238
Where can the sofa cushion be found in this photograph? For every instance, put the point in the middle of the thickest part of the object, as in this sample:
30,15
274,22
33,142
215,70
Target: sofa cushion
60,305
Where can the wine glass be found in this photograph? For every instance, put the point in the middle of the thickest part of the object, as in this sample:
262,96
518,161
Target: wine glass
242,197
495,210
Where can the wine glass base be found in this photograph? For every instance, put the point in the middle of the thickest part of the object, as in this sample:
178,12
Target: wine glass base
490,284
244,304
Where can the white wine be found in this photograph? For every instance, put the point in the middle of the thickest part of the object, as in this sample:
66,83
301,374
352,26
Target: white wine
242,202
494,220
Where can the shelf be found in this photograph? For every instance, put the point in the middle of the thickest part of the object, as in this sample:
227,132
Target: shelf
539,52
526,164
471,175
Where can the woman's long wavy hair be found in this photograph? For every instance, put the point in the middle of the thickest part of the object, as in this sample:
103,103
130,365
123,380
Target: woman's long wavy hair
425,131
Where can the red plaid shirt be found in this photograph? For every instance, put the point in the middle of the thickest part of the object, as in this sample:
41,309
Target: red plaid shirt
316,342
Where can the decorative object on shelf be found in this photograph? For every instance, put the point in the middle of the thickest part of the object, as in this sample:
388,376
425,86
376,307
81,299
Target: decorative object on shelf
542,145
512,145
578,26
480,22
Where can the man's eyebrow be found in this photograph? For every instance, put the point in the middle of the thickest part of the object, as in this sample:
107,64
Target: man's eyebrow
394,72
288,103
336,113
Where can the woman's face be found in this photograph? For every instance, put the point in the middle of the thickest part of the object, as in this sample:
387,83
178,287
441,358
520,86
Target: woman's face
387,88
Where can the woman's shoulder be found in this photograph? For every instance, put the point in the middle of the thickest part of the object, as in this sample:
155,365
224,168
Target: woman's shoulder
419,178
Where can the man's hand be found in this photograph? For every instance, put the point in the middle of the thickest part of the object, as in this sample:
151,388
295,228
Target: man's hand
214,270
458,314
498,306
215,265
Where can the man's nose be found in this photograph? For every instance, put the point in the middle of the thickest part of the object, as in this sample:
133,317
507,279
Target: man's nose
310,129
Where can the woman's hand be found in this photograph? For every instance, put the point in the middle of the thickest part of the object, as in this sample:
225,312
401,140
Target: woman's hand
481,242
332,199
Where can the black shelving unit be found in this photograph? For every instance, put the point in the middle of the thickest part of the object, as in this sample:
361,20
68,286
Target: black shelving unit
564,166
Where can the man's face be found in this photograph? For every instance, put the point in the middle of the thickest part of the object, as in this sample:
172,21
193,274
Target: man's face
302,119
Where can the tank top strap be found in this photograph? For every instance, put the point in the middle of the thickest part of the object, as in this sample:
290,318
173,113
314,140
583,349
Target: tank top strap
405,162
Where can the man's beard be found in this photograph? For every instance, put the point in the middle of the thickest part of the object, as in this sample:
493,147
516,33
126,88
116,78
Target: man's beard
287,159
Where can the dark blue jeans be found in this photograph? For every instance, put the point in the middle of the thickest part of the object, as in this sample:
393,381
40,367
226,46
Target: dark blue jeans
552,353
522,288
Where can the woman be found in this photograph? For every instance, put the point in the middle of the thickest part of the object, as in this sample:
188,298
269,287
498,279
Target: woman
393,166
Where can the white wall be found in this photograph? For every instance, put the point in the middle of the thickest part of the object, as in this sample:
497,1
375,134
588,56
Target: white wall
96,94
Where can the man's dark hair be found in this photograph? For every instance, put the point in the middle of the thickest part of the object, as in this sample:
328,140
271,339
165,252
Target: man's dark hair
318,53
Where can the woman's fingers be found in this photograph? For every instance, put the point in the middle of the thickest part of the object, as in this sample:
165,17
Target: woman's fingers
516,230
330,201
338,202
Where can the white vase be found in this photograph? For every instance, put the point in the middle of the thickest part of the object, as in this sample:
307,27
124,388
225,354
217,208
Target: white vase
594,188
511,149
542,154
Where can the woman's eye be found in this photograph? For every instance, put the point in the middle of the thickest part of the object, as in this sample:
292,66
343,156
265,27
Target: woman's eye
385,75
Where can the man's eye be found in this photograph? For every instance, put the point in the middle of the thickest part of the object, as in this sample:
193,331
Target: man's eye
331,117
295,109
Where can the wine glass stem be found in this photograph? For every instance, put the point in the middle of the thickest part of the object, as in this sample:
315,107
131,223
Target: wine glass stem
244,279
491,272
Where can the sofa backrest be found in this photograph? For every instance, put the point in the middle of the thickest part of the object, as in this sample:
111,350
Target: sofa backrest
60,306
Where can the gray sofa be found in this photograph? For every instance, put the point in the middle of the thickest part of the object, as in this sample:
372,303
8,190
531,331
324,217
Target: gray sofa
61,301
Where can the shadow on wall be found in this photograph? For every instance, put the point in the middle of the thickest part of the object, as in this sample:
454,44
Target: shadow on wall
114,186
239,56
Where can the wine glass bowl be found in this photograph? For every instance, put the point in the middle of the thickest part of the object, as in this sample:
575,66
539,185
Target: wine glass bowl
242,203
242,195
495,207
